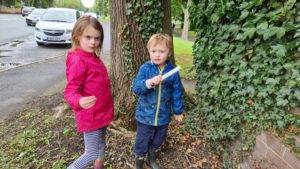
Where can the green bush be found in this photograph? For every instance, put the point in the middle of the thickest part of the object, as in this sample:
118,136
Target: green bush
247,61
8,3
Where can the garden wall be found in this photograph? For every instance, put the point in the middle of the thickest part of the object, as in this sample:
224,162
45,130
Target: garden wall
12,10
270,153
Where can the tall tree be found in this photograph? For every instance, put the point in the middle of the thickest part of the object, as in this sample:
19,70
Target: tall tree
132,23
184,5
102,7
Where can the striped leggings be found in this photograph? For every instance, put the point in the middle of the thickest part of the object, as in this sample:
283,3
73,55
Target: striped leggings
94,148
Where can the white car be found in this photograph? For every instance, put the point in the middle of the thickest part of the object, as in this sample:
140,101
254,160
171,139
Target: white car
55,26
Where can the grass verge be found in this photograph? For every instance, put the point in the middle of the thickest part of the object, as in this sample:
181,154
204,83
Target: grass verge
184,58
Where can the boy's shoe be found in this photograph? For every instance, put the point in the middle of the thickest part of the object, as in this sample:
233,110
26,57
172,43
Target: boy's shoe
139,162
99,164
151,158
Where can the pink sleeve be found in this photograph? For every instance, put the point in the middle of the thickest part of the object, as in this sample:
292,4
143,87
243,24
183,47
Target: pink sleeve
75,73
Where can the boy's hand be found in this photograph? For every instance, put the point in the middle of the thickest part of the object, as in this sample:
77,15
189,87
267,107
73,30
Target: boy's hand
179,118
87,102
156,80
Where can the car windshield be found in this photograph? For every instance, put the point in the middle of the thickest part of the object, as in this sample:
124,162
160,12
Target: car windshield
59,16
38,11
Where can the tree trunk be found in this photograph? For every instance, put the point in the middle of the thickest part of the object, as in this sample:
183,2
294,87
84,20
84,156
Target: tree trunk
167,22
186,21
120,80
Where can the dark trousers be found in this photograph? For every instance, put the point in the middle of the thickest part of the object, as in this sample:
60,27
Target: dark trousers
149,136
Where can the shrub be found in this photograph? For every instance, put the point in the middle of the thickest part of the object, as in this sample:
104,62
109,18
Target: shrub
247,61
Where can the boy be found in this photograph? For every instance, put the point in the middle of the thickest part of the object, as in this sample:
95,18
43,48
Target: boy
157,100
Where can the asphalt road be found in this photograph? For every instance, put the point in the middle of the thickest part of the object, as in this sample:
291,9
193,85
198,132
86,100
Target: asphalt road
13,26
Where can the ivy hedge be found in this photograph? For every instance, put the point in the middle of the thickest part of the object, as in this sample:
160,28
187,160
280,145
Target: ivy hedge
247,61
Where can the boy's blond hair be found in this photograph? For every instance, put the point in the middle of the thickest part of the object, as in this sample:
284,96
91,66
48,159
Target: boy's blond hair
160,38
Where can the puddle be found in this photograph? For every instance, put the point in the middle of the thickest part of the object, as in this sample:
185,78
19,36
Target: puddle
15,43
5,51
4,66
3,44
4,56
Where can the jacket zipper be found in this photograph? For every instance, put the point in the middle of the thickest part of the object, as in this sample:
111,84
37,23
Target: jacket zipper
158,101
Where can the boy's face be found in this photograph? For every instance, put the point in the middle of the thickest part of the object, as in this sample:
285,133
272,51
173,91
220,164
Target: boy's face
159,54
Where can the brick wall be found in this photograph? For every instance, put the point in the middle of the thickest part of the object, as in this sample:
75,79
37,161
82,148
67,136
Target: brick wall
270,153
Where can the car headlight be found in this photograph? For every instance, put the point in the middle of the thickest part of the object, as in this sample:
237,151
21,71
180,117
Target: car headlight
38,29
68,31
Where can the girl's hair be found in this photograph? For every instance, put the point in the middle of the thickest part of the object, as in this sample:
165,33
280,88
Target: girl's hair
160,38
81,24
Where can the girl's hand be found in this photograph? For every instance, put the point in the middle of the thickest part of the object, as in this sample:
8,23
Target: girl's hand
87,102
156,80
178,118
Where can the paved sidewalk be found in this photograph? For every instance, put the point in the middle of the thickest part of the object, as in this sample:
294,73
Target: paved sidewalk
177,33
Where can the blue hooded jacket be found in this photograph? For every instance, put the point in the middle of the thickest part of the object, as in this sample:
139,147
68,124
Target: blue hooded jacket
155,105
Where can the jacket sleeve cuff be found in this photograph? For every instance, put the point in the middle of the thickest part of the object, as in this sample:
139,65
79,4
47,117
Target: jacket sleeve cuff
76,106
149,85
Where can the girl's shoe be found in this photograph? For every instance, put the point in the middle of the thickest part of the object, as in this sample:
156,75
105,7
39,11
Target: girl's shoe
99,164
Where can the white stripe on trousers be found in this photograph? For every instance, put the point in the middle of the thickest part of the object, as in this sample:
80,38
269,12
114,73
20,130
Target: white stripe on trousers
94,144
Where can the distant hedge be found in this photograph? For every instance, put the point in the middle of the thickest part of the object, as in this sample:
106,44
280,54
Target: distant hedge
247,59
8,3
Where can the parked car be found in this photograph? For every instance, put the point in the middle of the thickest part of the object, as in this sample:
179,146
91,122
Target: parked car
26,10
34,16
92,14
81,13
55,26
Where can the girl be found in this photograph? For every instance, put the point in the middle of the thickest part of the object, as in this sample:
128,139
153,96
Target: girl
88,90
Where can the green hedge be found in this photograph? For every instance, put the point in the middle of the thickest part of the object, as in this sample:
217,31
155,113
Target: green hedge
8,3
247,59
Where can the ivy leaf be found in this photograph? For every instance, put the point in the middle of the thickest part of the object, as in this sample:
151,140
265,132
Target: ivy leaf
269,33
280,123
249,32
288,66
295,74
280,32
272,81
289,4
244,14
297,95
263,26
234,28
297,34
243,5
281,102
215,17
280,50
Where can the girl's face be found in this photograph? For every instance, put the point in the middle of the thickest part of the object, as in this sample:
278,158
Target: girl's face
90,40
159,54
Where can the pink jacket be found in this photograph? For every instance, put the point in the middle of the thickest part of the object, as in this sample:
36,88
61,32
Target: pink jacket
87,76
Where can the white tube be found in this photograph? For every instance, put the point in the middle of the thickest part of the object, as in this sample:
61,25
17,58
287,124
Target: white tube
170,73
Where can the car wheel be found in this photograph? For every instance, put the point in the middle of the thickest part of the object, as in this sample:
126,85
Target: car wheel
40,44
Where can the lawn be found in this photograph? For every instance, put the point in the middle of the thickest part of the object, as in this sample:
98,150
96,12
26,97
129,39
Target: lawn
183,57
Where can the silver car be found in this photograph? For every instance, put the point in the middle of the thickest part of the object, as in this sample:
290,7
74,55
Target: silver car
34,16
26,10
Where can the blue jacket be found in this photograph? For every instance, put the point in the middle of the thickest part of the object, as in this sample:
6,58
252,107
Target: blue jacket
155,105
